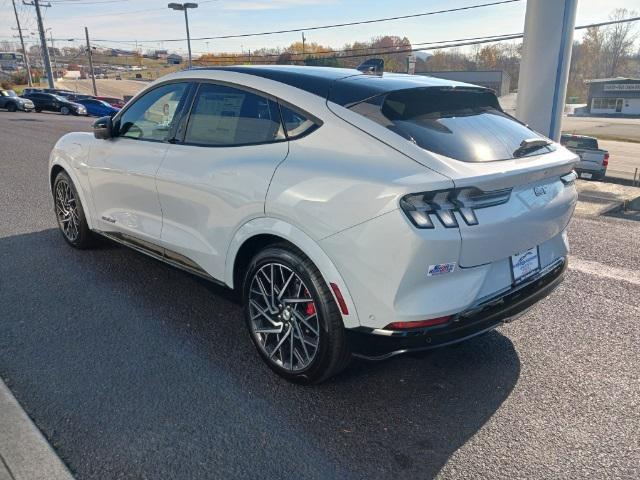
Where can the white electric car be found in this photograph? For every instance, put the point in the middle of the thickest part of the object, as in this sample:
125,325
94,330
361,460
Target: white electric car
356,213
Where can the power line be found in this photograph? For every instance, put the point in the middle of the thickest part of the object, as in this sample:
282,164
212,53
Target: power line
439,45
321,27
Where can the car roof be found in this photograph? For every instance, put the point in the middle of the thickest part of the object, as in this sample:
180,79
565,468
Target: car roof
344,86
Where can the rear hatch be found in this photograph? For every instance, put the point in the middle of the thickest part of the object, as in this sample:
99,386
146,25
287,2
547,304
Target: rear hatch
461,132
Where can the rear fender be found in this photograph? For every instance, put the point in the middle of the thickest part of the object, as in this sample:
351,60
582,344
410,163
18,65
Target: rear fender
301,240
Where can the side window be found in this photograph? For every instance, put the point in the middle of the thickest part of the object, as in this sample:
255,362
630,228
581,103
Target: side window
150,117
226,116
296,124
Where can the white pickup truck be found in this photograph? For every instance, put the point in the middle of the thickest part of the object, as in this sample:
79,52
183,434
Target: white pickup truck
593,161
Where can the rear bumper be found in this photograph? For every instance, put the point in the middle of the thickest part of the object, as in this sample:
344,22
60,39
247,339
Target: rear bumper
590,167
487,314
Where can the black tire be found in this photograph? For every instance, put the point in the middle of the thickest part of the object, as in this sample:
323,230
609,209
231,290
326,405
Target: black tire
12,107
331,354
73,226
65,110
38,109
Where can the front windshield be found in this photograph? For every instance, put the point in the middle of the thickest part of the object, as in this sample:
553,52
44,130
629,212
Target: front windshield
8,93
59,98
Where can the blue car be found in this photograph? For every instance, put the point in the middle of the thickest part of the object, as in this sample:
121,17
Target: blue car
97,108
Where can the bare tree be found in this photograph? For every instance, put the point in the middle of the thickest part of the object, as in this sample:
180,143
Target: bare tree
618,42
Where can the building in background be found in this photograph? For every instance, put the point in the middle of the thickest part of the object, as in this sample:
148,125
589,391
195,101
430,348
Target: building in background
174,59
618,96
497,80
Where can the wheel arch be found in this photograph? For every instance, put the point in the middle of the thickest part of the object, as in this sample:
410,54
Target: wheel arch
261,232
56,168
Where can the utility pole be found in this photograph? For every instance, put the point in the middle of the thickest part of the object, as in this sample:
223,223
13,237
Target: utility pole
303,40
53,52
24,50
90,55
43,44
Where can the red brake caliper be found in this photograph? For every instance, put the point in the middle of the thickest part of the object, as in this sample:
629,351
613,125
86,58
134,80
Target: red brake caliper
311,308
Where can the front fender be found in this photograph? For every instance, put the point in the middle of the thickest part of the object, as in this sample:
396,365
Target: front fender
71,153
280,228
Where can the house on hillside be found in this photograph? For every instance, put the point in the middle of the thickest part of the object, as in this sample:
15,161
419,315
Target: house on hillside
174,59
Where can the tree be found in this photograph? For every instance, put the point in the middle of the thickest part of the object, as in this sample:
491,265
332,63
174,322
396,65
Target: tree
618,42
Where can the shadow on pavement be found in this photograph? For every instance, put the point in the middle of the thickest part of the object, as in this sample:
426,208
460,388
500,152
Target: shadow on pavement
135,370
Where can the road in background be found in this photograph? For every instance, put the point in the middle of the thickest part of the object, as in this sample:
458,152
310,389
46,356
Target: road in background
133,369
624,158
618,129
106,87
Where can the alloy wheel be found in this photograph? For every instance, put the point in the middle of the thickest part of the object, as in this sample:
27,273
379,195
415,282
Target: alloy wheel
283,317
67,210
65,111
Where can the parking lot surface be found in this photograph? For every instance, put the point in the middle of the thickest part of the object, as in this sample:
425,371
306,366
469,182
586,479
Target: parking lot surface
135,370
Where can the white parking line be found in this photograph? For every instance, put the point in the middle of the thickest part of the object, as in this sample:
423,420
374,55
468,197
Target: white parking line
604,271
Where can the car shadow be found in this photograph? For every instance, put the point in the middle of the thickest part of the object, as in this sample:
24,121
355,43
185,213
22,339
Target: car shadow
133,369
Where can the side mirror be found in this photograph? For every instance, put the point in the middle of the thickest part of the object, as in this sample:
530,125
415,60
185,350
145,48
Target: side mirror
103,128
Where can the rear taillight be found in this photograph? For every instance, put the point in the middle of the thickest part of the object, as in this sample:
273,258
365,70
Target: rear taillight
444,203
605,162
418,324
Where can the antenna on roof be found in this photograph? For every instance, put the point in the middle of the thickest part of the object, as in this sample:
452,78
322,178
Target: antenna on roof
372,66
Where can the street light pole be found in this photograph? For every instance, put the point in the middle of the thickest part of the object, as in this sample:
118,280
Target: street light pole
186,21
184,7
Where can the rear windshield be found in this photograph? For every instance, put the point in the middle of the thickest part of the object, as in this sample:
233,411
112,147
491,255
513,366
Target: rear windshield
466,124
579,142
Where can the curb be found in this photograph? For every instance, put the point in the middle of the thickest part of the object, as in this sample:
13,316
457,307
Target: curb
24,452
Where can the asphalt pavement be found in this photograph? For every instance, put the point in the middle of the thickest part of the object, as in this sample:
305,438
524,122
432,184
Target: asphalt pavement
134,370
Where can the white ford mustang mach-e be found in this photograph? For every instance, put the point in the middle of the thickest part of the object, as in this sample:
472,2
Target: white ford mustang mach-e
356,213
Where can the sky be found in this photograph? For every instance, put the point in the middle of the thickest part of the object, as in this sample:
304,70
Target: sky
120,23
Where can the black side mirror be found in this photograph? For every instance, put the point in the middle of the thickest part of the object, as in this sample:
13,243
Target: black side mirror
103,128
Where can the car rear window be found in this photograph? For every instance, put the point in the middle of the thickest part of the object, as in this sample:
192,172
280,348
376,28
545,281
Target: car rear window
466,124
579,142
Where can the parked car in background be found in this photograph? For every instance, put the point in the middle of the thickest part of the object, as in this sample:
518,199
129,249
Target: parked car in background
31,90
12,102
56,91
113,101
55,103
355,214
593,160
97,108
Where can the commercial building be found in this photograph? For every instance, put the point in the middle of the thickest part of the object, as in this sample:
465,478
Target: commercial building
618,96
497,80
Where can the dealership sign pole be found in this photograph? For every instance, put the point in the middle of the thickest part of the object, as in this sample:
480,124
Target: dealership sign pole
544,70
